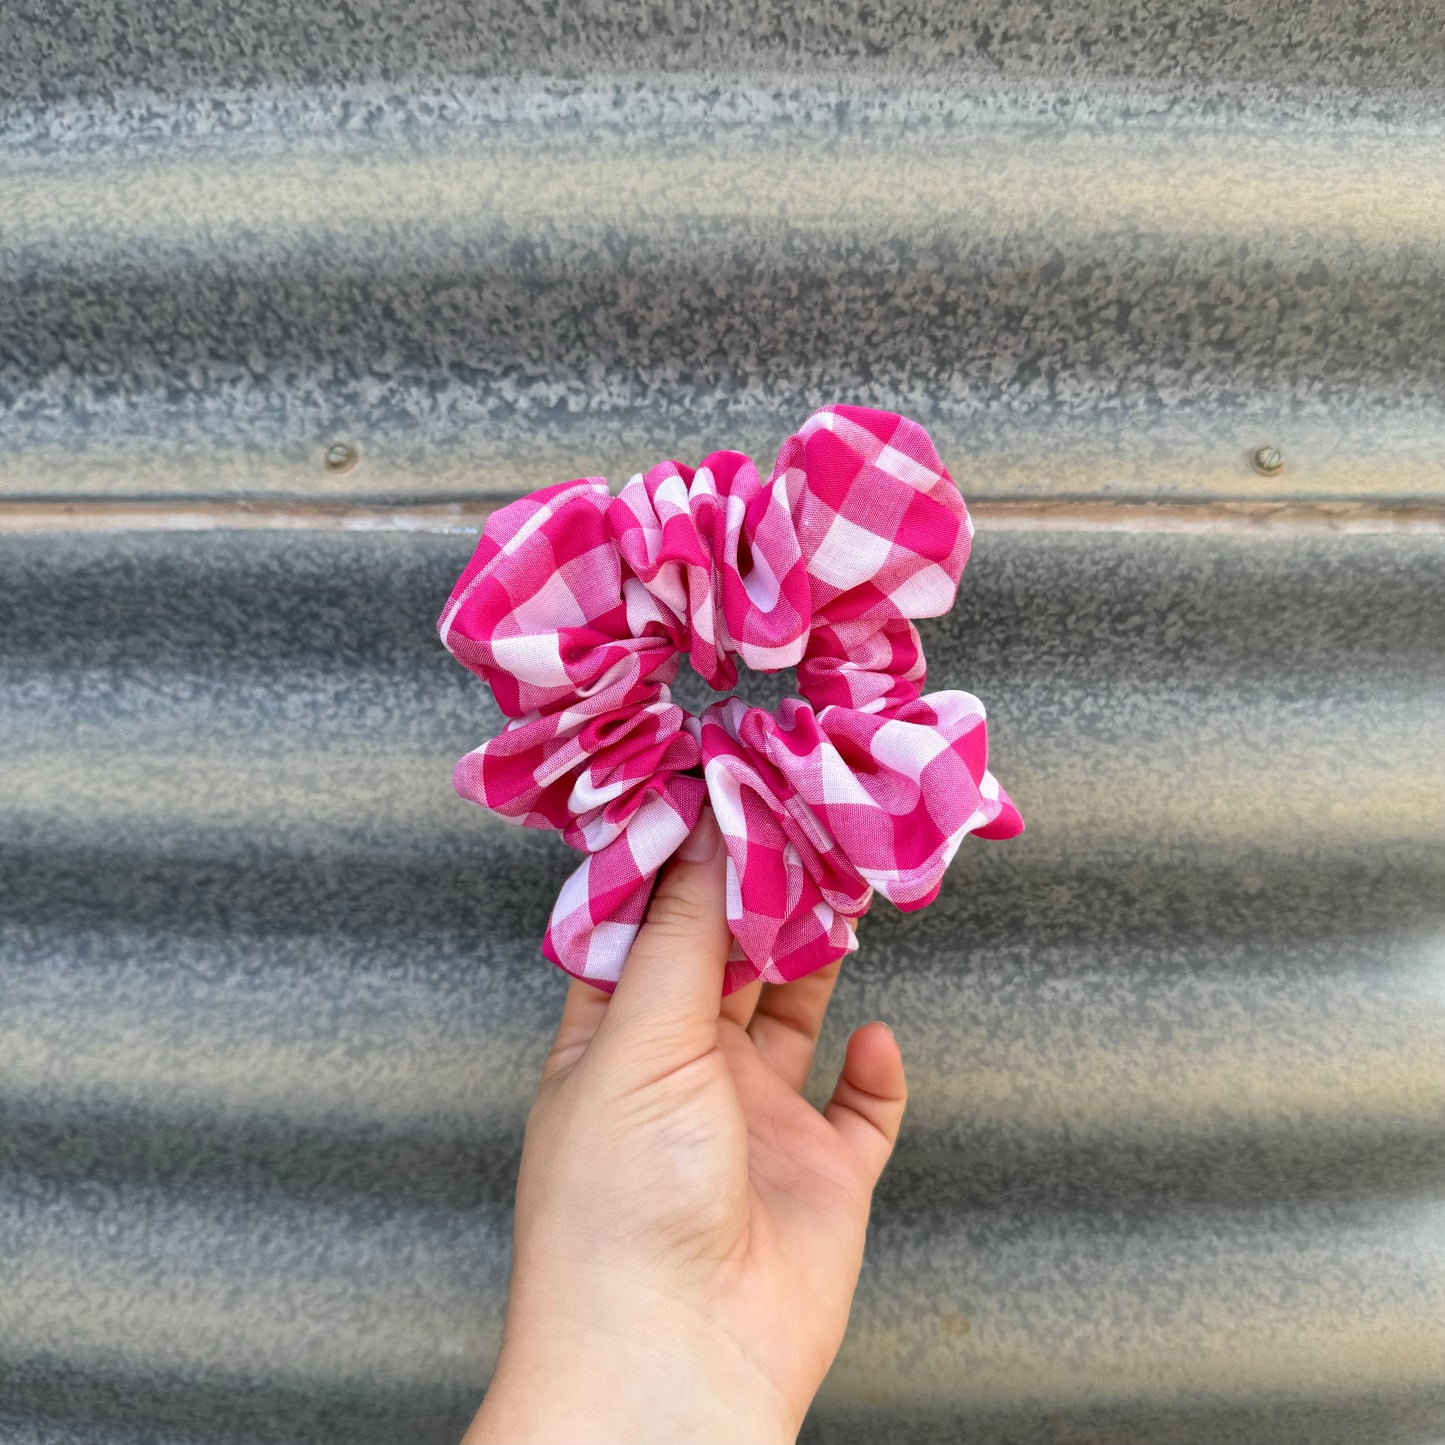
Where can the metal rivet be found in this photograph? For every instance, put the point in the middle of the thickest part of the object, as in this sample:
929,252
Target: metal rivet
341,457
1267,461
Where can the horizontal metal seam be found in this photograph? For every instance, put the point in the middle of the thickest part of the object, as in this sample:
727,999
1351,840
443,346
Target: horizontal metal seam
1292,518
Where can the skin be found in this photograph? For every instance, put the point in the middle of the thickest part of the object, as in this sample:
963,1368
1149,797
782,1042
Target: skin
689,1229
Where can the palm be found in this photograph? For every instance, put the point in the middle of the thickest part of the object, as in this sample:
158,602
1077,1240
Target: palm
808,1198
754,1179
744,1169
795,1159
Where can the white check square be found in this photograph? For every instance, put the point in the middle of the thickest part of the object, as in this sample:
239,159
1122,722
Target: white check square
848,555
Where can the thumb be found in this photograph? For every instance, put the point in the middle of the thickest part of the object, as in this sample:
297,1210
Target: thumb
666,1003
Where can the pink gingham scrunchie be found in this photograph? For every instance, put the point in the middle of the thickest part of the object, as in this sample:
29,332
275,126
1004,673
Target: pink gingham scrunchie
576,609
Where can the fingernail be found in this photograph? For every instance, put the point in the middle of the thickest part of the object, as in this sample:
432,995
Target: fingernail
701,845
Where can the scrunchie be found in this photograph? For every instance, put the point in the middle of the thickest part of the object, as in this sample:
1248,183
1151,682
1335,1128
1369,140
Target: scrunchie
576,609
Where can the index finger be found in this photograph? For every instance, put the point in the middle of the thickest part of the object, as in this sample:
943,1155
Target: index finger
582,1011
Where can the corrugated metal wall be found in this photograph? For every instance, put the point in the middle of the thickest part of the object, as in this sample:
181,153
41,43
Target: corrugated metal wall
271,1004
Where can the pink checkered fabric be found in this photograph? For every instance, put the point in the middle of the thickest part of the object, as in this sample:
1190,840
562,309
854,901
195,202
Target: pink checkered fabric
577,608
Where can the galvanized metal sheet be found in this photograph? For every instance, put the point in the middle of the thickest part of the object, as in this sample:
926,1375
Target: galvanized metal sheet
273,1002
1101,254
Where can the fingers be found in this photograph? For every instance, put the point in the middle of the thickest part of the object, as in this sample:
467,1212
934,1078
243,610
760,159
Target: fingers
788,1020
741,1003
582,1012
867,1105
668,998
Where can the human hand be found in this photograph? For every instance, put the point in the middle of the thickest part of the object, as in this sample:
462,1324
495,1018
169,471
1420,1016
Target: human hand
689,1229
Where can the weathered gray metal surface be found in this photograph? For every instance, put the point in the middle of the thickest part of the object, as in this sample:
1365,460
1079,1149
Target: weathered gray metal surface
270,997
1100,250
1172,1169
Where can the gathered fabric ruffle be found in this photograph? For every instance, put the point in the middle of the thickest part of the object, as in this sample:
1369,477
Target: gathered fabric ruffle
577,608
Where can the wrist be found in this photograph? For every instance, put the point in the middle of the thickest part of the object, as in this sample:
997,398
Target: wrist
628,1380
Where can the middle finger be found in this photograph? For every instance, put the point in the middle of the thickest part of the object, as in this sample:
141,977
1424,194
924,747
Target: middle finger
788,1019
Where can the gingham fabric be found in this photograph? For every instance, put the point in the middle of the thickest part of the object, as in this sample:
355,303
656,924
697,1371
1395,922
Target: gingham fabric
577,608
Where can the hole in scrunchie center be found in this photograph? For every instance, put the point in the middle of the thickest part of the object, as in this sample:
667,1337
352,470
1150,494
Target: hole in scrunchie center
757,689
